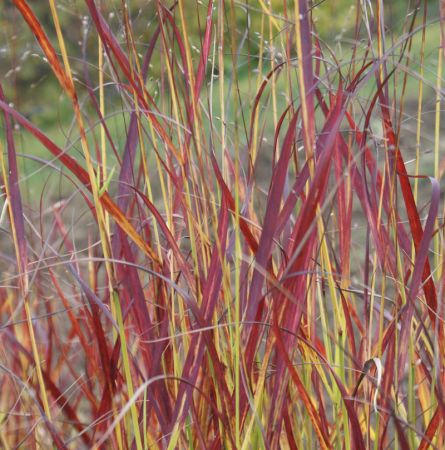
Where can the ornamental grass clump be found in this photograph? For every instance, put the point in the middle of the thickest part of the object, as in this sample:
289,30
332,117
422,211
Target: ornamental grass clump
222,225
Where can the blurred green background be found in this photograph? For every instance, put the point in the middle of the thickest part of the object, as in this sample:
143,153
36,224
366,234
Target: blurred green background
33,89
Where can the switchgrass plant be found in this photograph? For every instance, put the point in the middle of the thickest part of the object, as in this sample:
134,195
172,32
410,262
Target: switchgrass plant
235,238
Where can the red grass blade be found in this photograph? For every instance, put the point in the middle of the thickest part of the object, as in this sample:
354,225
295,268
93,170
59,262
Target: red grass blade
15,200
